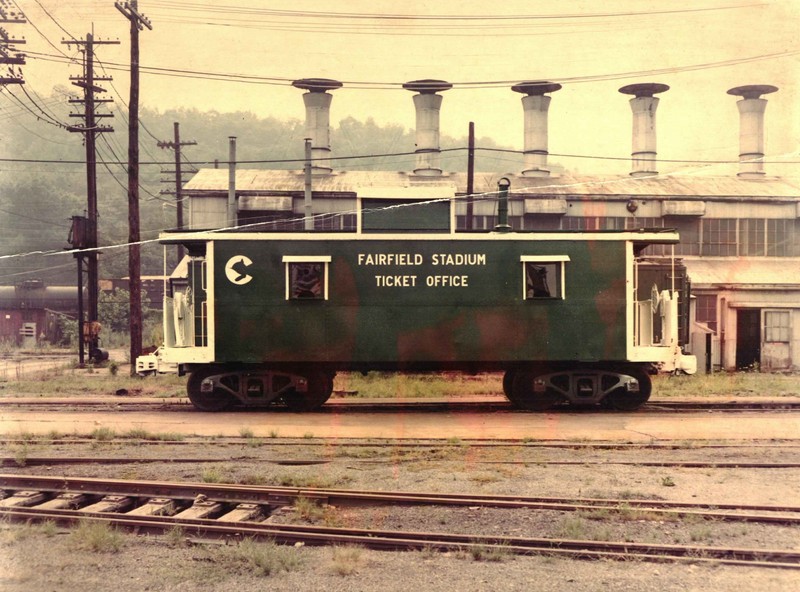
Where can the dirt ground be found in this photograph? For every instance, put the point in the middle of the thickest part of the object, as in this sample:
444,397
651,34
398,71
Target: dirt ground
562,456
37,558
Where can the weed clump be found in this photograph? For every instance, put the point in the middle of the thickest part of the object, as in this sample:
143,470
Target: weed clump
97,537
259,558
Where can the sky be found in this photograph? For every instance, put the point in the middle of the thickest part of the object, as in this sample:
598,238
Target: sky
700,48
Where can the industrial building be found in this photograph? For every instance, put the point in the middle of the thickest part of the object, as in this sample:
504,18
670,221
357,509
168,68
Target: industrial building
740,234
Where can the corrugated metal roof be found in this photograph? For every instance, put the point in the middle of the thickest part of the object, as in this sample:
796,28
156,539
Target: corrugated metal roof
266,181
740,271
278,181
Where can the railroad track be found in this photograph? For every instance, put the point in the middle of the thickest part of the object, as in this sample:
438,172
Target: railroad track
36,461
490,404
205,511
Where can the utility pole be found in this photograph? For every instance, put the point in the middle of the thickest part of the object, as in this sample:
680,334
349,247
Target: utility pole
178,193
470,175
8,53
308,209
233,207
90,129
138,21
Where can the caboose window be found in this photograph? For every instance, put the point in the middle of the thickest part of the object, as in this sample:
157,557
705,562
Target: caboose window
306,277
543,276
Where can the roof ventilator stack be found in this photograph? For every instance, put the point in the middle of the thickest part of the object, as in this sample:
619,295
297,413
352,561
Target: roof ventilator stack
644,105
751,128
427,104
536,105
318,111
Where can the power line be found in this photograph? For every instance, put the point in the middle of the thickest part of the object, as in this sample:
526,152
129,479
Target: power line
194,6
43,36
51,223
50,116
397,154
460,85
46,119
52,18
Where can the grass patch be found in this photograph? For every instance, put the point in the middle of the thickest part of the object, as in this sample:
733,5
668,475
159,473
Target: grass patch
346,561
21,454
71,381
176,537
314,481
96,537
485,478
254,479
103,434
142,434
48,528
312,511
728,384
492,553
212,475
258,558
395,384
573,527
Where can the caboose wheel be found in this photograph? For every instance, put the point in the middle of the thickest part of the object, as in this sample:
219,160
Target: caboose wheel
320,387
624,399
531,392
216,400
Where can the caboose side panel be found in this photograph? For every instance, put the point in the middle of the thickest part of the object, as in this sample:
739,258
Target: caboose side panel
428,303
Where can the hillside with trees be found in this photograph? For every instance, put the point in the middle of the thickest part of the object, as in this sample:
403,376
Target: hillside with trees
43,180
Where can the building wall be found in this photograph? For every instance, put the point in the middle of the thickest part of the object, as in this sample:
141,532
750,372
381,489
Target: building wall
732,302
744,222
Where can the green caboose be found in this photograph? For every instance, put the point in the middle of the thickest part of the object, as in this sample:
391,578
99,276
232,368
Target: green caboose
262,317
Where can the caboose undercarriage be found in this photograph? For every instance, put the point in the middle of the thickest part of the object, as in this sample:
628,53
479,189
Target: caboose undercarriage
536,387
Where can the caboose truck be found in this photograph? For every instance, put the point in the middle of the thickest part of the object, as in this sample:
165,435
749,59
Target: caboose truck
256,318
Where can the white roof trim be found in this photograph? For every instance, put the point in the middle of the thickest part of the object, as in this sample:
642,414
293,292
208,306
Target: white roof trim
416,193
543,258
306,258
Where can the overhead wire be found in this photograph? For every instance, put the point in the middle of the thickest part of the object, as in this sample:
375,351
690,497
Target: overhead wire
32,112
300,160
52,18
462,85
483,196
225,9
49,116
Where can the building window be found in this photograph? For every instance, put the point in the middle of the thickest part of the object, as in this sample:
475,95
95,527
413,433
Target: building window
706,310
335,222
543,277
542,223
782,238
580,223
306,277
751,233
719,237
777,326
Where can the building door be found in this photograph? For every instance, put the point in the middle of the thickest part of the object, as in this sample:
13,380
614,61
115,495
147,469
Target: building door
776,349
748,338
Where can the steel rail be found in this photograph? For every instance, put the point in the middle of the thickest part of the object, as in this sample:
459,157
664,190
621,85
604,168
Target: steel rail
276,495
403,540
400,443
422,405
31,461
